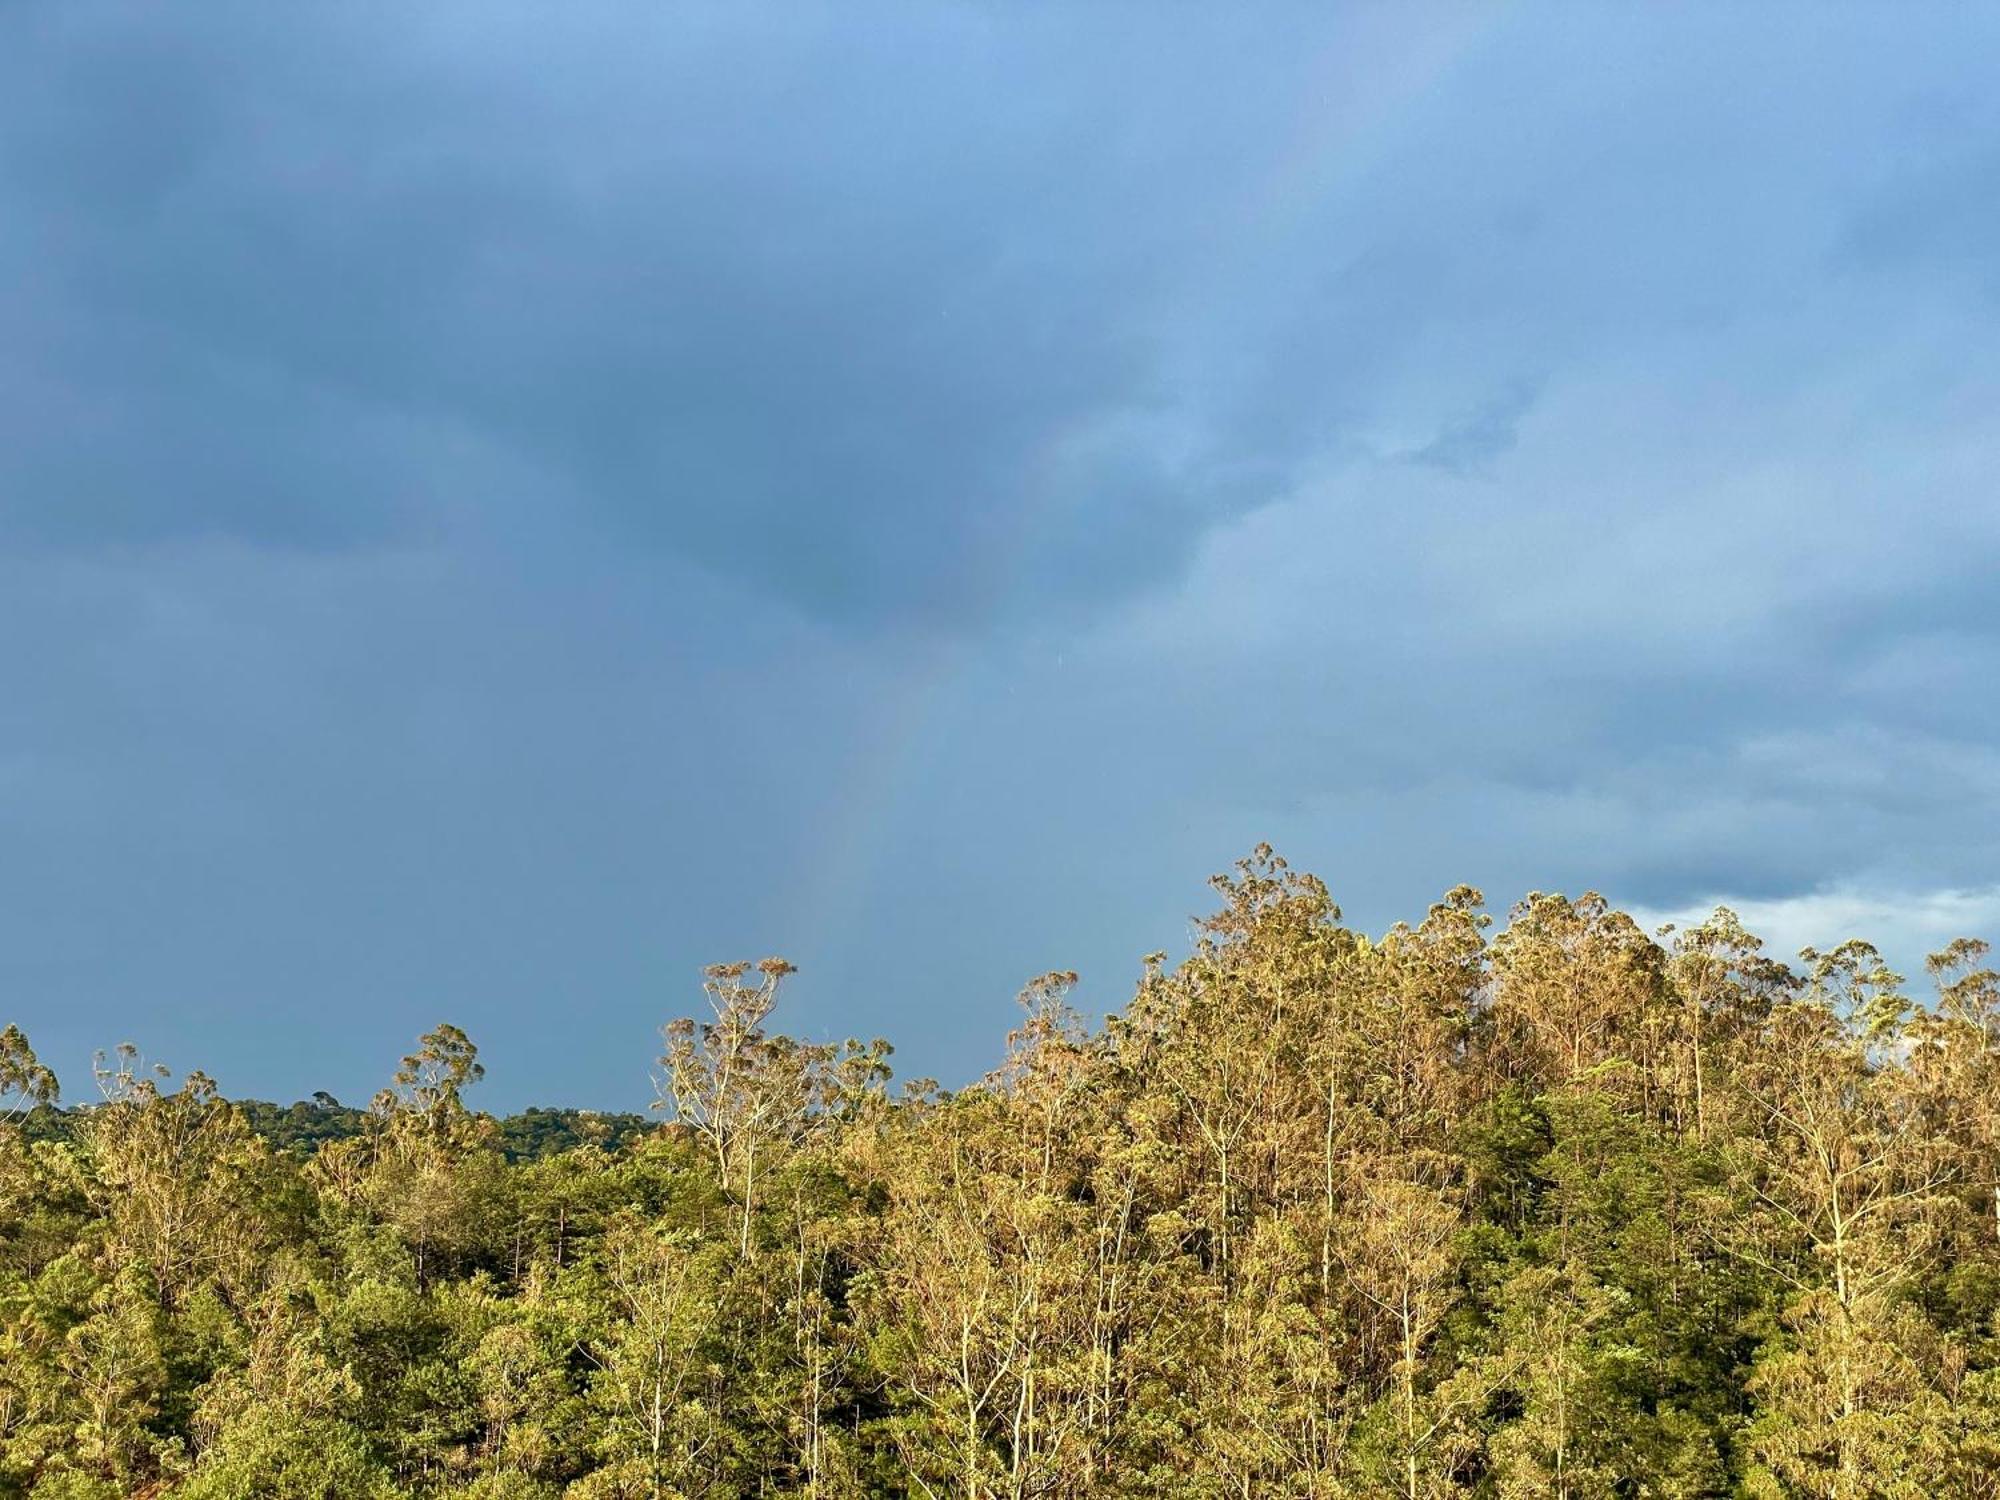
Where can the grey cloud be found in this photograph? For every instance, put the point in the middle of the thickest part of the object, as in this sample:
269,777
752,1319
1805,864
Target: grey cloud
1940,215
1470,445
889,372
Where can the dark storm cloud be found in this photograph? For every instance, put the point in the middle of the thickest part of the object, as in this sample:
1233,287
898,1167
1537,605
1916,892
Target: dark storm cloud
852,311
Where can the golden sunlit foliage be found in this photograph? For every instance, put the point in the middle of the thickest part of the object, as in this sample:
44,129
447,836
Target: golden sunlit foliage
1561,1208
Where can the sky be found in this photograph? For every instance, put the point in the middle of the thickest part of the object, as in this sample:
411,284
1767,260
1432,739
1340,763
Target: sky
504,505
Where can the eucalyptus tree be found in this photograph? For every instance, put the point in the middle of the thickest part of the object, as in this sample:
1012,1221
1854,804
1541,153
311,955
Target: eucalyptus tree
25,1082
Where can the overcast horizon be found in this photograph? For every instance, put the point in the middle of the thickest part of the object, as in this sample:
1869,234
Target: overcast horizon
503,506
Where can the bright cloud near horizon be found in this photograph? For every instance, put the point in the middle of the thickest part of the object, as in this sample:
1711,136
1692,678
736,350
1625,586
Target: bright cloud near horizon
503,505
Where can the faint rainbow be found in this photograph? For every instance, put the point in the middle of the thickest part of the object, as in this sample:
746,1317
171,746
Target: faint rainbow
1332,148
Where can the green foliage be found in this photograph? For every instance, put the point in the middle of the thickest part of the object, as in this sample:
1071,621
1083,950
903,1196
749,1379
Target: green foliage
538,1133
301,1129
1571,1213
267,1456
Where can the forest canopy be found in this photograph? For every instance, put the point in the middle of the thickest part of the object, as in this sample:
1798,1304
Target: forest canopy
1551,1206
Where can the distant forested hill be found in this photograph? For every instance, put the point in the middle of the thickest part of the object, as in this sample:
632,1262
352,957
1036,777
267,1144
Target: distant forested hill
302,1128
1556,1207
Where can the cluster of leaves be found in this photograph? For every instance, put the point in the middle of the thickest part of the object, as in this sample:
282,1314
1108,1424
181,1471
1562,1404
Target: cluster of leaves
1568,1210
